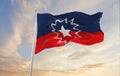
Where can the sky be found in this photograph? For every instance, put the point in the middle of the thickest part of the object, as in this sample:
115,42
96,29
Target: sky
17,33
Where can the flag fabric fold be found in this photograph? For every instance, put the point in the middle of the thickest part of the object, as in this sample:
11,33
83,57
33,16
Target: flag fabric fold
58,30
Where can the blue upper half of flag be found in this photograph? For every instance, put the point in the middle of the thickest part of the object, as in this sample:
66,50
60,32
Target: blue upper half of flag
74,21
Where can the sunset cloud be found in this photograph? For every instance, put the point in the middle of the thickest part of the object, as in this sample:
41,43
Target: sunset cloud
22,24
86,70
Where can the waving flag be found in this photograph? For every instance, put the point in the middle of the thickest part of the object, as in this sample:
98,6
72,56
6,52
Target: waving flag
58,30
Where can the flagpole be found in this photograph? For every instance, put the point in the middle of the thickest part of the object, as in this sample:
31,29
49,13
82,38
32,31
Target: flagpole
33,44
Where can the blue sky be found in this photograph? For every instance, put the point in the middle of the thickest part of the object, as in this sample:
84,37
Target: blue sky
17,22
6,18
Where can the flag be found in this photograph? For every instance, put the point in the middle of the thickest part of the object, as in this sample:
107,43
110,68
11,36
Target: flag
58,30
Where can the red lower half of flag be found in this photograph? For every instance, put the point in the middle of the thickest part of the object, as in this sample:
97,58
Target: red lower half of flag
56,39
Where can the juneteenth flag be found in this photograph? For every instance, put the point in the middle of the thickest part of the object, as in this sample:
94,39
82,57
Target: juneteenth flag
58,30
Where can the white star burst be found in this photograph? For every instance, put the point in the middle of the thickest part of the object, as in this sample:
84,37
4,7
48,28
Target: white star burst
63,30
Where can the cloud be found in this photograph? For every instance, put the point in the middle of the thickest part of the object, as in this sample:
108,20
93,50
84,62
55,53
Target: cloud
26,15
86,70
86,6
10,73
22,24
89,67
13,63
78,55
98,69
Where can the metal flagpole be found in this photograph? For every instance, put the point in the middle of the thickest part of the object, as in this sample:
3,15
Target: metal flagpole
34,43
